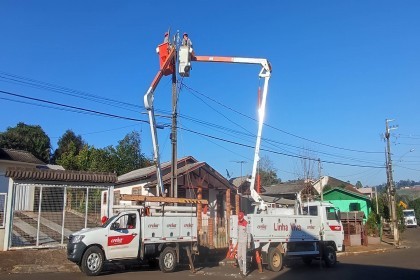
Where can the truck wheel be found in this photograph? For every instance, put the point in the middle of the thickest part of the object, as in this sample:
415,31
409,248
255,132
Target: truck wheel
92,261
330,258
275,259
307,260
168,260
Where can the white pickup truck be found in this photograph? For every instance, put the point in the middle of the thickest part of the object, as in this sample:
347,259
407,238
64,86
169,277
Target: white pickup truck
318,233
410,218
134,235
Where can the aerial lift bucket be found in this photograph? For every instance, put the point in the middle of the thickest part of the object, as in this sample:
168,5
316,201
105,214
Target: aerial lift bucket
163,51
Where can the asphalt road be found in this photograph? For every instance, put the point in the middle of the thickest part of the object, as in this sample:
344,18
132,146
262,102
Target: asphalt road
397,264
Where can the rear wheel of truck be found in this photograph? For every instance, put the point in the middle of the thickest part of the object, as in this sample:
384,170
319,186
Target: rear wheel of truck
330,257
92,261
275,259
168,260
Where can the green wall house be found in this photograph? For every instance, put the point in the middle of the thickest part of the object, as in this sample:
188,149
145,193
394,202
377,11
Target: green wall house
348,200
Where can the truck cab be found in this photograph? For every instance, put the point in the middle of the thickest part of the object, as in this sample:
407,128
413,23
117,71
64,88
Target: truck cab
410,218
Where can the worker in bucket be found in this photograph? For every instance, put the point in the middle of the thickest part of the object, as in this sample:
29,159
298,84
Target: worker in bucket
166,37
186,41
243,243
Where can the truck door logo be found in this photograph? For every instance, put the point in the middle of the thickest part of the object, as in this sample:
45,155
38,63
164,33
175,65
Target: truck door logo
120,240
153,225
262,227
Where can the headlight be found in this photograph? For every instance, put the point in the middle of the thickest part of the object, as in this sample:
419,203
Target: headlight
77,238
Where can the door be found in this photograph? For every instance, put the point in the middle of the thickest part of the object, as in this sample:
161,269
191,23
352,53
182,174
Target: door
124,237
334,229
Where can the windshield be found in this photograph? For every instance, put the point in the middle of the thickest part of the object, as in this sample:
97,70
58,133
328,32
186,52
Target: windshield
408,213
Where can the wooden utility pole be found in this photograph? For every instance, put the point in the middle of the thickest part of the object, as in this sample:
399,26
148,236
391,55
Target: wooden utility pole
391,187
320,180
174,161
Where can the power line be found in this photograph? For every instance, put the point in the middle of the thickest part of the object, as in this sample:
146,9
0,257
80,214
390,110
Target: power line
275,128
74,107
84,110
275,152
120,104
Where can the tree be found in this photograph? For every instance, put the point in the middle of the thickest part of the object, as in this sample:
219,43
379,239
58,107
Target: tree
308,165
268,174
30,138
128,154
67,143
359,185
415,204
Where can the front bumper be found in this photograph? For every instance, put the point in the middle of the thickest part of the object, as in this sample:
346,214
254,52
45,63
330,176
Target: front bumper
75,251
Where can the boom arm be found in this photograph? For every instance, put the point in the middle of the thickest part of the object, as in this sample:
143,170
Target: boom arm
266,74
148,104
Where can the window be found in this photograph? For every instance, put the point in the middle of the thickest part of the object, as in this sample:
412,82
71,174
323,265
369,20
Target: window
310,210
105,197
116,197
136,190
355,206
126,222
331,214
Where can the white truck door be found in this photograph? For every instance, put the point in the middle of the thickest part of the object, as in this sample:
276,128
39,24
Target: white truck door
124,237
333,229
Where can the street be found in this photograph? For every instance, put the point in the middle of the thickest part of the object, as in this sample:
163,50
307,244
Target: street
401,263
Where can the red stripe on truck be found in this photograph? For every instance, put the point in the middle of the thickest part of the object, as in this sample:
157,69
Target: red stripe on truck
335,228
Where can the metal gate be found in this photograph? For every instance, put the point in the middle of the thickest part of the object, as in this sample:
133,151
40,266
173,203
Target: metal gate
45,215
3,200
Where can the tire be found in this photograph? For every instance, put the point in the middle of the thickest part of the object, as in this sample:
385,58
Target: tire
330,257
92,261
168,260
275,259
307,260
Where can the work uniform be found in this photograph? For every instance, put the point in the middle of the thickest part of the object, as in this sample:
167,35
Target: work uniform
243,241
186,42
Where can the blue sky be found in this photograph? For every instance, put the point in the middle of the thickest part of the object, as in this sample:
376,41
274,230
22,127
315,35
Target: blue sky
340,68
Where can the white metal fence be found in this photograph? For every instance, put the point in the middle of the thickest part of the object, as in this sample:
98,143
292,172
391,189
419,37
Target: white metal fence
3,200
45,215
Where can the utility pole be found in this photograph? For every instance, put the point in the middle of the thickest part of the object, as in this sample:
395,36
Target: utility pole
241,162
174,160
391,187
320,180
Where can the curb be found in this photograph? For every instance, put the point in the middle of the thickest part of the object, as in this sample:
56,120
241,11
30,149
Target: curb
364,252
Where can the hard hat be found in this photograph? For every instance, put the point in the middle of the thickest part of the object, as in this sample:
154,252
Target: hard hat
240,216
185,34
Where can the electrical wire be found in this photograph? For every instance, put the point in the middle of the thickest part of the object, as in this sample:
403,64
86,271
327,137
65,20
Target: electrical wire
84,110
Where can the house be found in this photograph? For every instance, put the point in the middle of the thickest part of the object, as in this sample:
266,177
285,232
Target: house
328,182
290,190
348,199
195,179
12,158
42,204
